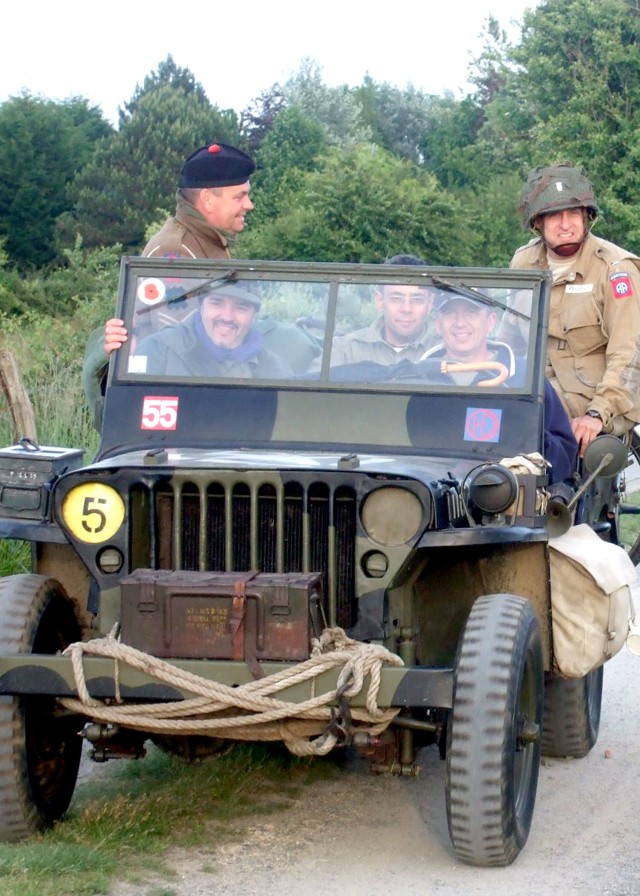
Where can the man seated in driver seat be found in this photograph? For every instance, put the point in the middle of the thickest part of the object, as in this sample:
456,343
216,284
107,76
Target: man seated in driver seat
465,326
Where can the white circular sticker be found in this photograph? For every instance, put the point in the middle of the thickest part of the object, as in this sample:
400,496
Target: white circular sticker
151,291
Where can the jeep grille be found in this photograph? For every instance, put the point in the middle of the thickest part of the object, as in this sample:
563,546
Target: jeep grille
248,523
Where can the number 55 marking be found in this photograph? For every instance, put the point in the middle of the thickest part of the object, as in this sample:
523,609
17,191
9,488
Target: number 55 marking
159,412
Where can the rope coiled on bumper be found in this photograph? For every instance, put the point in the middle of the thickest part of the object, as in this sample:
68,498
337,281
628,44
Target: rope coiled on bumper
251,711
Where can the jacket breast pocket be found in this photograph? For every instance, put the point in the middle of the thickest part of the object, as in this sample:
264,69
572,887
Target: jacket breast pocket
581,321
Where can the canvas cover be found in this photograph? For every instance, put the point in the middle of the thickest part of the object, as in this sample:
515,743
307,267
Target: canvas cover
591,604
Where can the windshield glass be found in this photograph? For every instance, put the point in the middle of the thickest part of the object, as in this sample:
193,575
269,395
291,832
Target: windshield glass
424,333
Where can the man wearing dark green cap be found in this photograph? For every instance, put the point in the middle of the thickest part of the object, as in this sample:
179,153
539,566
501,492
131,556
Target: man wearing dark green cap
593,350
217,340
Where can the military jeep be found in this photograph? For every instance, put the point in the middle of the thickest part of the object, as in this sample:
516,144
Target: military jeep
329,555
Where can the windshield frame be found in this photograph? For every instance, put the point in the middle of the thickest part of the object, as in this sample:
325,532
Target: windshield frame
473,282
323,415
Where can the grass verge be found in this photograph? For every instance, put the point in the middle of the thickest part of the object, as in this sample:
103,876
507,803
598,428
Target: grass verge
121,825
629,523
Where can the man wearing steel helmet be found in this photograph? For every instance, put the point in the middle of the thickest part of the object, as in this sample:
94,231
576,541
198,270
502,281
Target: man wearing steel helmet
593,354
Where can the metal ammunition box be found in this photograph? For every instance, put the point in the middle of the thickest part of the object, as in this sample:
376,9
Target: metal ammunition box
27,473
222,615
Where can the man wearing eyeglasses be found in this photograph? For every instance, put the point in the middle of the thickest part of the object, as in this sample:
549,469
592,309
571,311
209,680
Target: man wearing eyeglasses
399,332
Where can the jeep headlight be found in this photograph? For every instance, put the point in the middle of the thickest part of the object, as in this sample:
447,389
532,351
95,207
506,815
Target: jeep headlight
392,516
490,488
93,512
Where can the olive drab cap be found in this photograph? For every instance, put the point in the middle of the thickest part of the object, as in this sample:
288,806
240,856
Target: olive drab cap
554,189
229,291
216,165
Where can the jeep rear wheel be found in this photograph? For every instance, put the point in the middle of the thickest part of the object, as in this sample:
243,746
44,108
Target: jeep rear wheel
572,715
493,737
39,744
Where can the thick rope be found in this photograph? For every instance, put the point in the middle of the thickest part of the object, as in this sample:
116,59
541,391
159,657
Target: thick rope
213,710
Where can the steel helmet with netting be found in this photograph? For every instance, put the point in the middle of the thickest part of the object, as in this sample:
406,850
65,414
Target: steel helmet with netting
553,189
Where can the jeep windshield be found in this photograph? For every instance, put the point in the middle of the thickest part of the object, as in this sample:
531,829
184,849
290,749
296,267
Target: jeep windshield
326,356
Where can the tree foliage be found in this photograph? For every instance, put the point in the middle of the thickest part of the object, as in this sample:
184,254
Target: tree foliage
293,145
259,117
362,205
135,172
335,108
42,146
396,119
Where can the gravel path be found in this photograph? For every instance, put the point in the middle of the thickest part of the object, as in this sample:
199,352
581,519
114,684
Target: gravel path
361,835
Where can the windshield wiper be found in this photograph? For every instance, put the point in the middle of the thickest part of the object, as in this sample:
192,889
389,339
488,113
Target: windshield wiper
187,294
470,292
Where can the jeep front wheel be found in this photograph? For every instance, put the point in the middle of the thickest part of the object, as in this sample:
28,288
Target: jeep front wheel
39,744
493,736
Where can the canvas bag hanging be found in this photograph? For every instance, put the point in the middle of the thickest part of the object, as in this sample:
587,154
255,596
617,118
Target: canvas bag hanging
591,604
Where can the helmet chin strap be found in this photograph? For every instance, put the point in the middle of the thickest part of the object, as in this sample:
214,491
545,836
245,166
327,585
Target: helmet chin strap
566,250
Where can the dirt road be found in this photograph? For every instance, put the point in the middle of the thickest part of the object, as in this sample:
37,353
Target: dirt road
373,836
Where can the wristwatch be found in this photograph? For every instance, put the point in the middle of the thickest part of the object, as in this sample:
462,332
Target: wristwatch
596,414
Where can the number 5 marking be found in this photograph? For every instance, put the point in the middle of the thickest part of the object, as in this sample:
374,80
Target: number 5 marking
88,510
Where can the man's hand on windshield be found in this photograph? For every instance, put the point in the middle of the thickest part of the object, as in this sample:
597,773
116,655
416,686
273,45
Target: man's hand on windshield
115,334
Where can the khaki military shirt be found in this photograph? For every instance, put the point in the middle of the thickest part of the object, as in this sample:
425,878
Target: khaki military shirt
593,352
368,344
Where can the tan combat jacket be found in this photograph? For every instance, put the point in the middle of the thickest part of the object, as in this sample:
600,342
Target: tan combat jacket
593,351
368,344
187,235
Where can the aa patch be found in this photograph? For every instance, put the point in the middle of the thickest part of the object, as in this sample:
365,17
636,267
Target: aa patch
621,285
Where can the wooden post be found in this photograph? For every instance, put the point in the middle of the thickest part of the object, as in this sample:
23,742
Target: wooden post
24,421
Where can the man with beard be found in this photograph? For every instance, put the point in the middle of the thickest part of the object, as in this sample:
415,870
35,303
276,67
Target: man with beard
593,353
219,339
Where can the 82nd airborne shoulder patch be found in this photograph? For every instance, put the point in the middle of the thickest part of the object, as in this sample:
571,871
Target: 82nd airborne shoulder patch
621,285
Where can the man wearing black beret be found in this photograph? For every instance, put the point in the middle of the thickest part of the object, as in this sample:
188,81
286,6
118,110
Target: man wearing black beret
211,204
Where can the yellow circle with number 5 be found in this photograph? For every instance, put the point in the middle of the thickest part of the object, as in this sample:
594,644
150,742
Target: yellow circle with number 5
93,512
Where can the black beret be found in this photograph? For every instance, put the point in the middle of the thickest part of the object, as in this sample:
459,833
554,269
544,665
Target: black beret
216,165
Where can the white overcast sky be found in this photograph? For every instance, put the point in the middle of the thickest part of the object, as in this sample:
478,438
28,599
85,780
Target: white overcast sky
101,51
